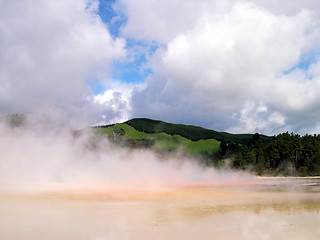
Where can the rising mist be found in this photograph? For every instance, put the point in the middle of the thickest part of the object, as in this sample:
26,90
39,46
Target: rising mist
47,157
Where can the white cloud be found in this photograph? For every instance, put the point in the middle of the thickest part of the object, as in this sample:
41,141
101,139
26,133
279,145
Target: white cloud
221,64
115,102
163,20
210,70
47,51
256,118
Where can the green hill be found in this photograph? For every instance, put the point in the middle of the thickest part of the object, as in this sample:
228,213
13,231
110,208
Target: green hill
159,135
126,135
193,133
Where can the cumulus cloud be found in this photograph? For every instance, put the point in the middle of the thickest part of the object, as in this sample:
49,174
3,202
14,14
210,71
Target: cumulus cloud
230,55
48,52
162,20
115,102
215,64
255,118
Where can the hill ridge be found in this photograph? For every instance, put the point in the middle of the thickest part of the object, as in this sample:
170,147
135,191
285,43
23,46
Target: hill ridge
194,133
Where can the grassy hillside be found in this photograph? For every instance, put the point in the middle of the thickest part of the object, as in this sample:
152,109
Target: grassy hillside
123,132
193,133
159,135
284,154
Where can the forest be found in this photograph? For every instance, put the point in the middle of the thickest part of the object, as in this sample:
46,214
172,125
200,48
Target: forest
286,154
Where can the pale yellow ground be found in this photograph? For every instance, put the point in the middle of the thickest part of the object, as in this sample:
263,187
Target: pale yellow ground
255,211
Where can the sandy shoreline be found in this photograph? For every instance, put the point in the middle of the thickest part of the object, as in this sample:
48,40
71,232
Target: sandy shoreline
288,177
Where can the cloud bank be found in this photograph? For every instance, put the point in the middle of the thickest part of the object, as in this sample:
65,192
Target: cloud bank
239,66
49,52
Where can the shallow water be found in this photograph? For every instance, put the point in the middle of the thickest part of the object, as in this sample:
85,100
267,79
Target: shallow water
270,208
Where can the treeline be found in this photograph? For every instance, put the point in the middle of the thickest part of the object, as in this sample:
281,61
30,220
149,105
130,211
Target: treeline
285,154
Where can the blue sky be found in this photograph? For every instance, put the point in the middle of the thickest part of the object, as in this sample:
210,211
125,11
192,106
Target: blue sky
305,61
125,71
107,14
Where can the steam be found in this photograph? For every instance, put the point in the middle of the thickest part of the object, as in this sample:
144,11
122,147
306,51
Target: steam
54,158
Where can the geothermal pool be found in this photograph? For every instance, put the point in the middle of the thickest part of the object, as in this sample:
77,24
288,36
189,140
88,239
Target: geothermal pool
268,208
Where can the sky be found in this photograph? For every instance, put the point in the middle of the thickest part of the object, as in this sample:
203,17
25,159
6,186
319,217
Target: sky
237,66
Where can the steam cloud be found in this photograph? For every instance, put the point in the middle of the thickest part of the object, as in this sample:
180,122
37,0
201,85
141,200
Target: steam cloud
46,158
